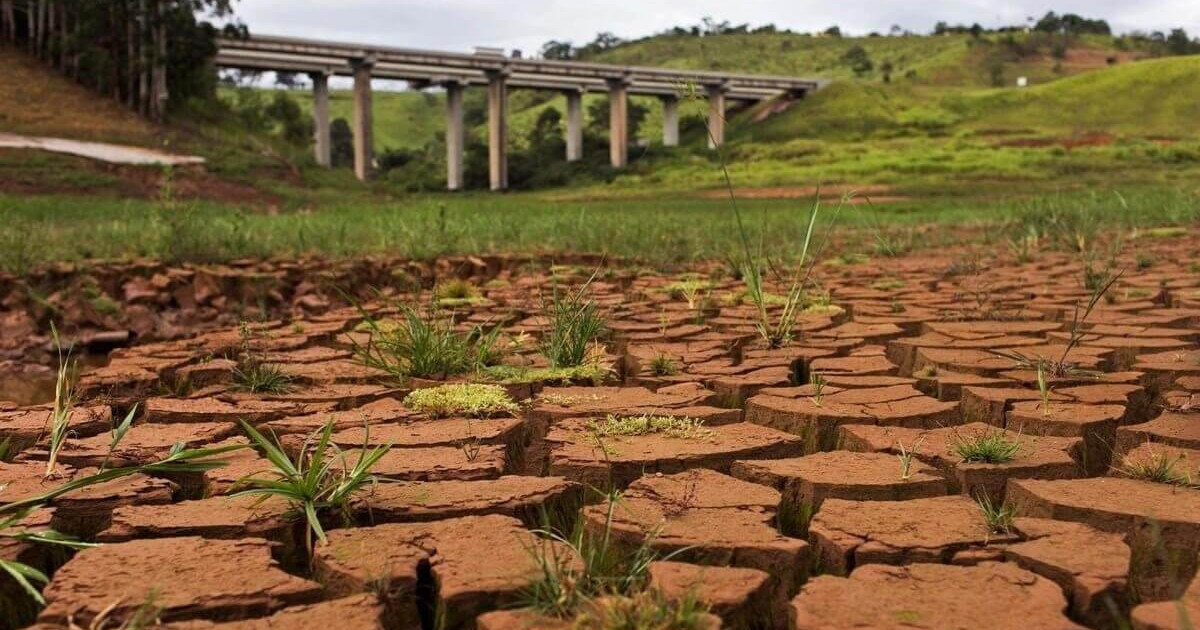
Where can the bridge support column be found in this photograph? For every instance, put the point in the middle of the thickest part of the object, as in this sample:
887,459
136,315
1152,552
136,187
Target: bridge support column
454,136
498,129
618,122
574,125
716,115
670,105
364,152
321,143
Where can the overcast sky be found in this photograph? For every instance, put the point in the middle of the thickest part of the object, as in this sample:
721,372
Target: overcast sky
458,25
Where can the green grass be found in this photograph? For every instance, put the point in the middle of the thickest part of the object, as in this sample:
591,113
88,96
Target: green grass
661,230
987,447
1159,468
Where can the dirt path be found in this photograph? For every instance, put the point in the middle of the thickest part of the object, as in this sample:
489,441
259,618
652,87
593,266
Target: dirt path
104,152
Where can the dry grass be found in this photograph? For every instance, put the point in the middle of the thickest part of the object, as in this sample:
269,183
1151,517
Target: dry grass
77,112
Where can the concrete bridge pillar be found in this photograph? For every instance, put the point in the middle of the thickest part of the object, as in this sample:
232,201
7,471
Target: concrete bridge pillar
618,122
363,123
716,115
574,125
670,105
498,129
454,135
321,143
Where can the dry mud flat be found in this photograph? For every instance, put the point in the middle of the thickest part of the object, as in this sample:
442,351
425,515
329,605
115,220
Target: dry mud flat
891,466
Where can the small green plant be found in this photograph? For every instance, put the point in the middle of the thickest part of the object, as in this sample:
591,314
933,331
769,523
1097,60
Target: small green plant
691,291
1062,367
575,326
462,399
14,514
252,373
319,480
998,517
1158,468
818,385
991,446
1043,385
118,433
906,456
578,567
64,403
663,365
671,426
779,330
425,345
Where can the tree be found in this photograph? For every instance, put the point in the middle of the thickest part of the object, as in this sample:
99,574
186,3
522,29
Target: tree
858,60
1178,43
833,31
555,49
289,80
341,143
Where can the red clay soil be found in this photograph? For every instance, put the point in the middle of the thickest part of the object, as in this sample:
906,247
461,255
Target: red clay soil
1036,457
932,597
778,478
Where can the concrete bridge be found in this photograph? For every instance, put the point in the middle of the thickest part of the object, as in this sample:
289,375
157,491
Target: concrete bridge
498,73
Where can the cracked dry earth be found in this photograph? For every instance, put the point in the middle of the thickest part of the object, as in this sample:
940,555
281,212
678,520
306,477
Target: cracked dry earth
791,507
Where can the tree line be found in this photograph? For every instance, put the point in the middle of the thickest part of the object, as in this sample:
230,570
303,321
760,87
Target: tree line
146,54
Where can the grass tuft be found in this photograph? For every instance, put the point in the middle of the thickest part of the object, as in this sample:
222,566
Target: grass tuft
425,345
1159,468
987,447
663,365
999,517
575,327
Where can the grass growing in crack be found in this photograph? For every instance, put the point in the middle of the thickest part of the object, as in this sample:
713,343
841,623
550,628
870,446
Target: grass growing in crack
987,447
998,517
59,423
318,481
671,426
577,568
1043,385
645,610
1062,367
794,517
663,365
252,373
818,383
462,399
425,345
906,456
575,326
1159,468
